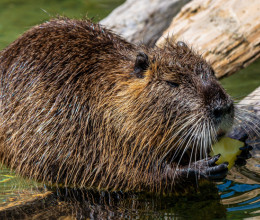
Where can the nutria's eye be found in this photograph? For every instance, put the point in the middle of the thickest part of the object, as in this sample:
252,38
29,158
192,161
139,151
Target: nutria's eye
172,84
141,64
181,44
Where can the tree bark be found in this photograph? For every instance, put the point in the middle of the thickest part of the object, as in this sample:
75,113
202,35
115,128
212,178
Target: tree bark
227,33
143,21
252,100
249,117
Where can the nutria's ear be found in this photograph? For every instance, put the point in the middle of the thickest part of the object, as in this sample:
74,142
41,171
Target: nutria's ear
141,64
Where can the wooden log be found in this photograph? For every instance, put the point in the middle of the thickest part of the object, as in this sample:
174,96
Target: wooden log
143,21
250,123
249,120
252,101
227,33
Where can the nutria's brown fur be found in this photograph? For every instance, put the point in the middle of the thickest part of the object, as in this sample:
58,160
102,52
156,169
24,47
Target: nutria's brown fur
83,107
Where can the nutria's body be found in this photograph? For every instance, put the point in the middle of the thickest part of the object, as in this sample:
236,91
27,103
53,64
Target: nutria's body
81,106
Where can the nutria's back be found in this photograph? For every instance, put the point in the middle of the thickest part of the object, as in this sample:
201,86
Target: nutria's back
83,107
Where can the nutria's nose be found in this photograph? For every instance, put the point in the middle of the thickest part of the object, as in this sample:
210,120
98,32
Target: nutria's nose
221,110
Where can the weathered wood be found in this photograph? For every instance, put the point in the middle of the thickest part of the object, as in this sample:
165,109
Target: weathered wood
227,33
143,21
250,173
250,120
252,101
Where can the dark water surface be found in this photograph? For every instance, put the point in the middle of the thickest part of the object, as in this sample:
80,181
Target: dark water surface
243,82
238,197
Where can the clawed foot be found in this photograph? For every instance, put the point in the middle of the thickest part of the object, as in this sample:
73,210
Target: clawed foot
206,169
245,154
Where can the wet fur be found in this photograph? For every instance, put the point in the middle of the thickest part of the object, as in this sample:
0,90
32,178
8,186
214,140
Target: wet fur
73,110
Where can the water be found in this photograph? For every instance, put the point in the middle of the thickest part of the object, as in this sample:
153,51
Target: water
235,198
238,197
243,82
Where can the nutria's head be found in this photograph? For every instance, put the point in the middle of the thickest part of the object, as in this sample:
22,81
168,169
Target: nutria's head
172,105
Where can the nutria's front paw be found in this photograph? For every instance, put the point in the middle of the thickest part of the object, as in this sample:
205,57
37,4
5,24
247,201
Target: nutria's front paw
206,169
245,154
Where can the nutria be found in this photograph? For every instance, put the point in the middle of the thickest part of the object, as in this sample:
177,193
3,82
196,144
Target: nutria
83,107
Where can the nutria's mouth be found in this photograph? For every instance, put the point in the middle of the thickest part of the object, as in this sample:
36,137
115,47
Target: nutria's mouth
220,134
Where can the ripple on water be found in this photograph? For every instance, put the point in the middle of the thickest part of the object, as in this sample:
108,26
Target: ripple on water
240,193
238,197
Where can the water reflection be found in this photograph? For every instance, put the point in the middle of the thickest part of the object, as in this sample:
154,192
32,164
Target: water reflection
240,193
237,197
78,204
